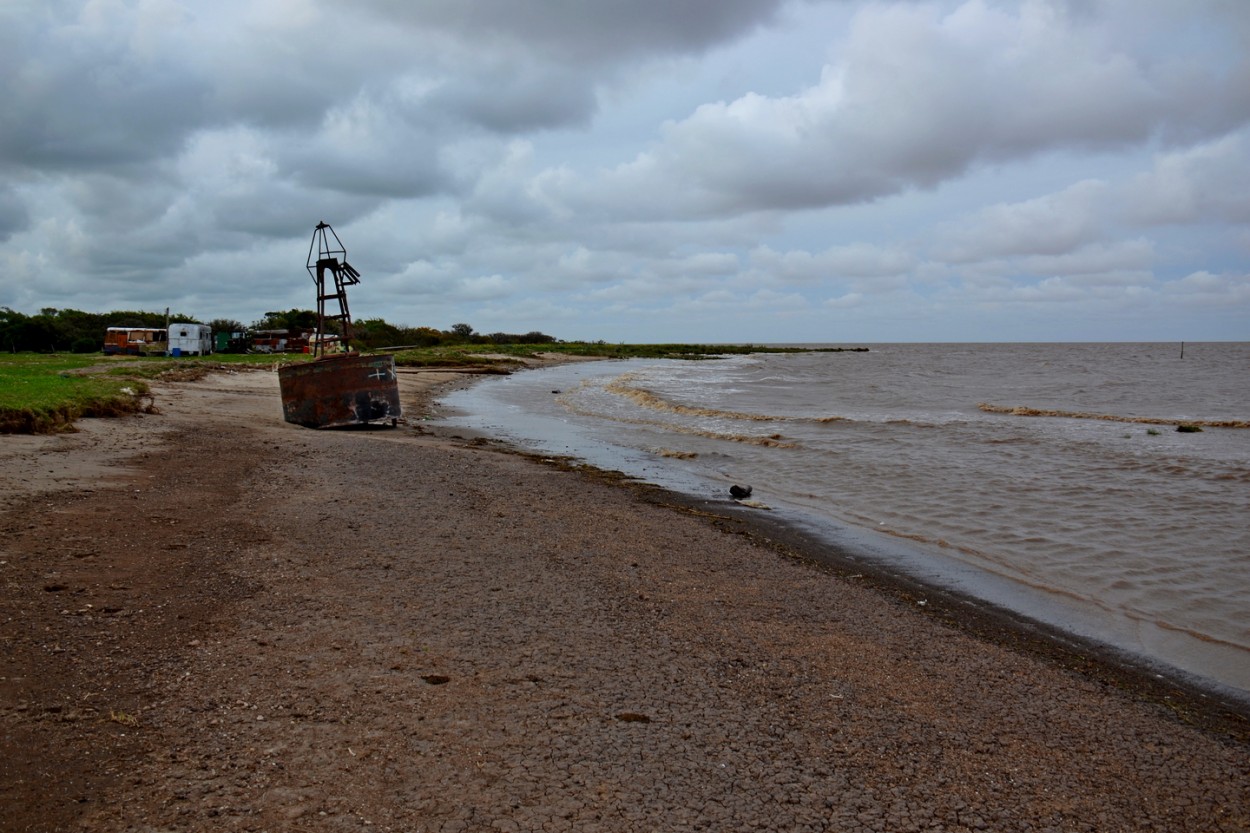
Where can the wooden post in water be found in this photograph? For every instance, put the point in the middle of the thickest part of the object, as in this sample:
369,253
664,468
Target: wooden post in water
1182,349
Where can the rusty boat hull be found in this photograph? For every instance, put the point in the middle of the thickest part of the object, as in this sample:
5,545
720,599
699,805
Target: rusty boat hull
340,391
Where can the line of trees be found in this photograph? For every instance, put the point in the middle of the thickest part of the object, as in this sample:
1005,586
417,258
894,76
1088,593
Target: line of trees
73,331
374,334
70,330
377,333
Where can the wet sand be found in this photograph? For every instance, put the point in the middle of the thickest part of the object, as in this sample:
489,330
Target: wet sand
213,620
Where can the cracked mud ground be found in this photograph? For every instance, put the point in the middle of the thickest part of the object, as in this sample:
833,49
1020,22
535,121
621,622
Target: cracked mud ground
212,621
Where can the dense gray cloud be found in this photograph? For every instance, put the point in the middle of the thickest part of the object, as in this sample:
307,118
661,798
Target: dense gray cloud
584,34
650,169
917,97
14,215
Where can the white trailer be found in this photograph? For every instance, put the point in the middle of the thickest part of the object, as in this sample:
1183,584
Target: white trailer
190,339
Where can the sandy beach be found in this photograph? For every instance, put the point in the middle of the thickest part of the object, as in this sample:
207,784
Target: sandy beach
213,620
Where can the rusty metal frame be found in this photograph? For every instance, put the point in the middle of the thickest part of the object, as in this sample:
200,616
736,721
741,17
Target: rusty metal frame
326,255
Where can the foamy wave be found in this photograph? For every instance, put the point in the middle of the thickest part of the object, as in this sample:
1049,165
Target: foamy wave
652,401
770,441
1021,410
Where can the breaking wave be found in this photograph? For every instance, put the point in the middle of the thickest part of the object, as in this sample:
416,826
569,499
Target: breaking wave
644,398
1021,410
769,441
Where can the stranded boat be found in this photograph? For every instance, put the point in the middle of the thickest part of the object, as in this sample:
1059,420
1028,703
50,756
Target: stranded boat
341,389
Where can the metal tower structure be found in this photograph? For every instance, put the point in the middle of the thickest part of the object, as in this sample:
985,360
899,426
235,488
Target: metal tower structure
326,253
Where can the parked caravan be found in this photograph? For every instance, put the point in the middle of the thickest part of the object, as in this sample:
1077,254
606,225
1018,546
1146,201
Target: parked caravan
279,341
224,342
190,339
324,344
134,341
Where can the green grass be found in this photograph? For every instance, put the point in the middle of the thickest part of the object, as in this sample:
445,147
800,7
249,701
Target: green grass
499,355
45,394
457,357
190,367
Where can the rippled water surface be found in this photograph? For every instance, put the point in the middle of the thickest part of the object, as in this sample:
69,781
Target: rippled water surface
1051,478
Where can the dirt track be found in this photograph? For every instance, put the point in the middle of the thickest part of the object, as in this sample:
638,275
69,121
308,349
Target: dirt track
252,626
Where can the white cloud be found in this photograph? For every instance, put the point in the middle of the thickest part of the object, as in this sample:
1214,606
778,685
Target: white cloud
1133,258
858,260
484,288
851,300
1206,289
1208,182
1053,224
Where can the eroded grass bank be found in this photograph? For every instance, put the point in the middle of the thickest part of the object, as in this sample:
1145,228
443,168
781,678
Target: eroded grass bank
48,393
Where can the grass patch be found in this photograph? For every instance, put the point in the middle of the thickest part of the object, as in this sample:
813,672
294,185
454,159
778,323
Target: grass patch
507,356
674,351
43,394
501,361
1189,429
47,393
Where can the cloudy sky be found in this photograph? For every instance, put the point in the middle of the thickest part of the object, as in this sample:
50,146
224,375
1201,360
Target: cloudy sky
640,170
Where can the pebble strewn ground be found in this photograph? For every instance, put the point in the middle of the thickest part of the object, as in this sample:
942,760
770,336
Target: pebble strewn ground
266,628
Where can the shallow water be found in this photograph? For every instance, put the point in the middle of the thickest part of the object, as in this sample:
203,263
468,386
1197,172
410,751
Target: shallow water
1049,477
